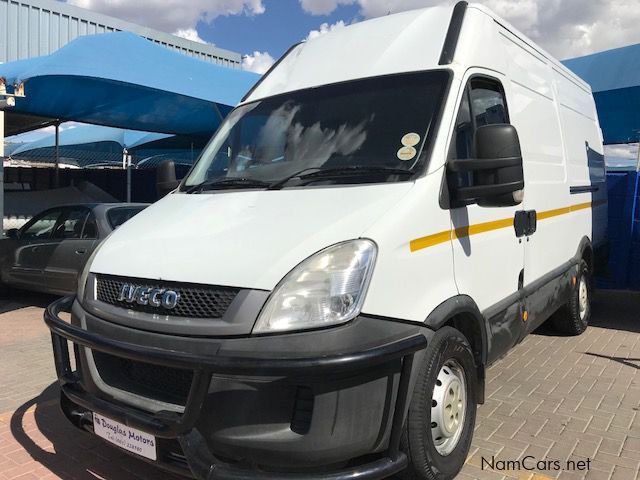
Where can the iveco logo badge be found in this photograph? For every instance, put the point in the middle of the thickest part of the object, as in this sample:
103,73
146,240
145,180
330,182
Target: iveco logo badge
153,297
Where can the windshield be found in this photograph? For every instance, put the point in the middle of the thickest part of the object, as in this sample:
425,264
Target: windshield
363,131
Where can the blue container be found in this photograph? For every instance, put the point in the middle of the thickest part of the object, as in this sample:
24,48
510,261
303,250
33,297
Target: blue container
623,271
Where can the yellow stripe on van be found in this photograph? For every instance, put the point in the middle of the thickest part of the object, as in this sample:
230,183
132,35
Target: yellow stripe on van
469,230
430,240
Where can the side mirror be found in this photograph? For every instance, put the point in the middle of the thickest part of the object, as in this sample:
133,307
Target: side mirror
166,178
494,177
13,233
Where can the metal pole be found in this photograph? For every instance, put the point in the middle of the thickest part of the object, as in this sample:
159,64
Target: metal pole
638,162
2,172
57,174
127,162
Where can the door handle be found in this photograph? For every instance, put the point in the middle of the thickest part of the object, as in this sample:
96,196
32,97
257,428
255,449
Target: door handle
81,252
525,223
532,223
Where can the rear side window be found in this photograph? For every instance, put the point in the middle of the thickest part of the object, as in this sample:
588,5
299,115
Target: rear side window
117,216
72,224
90,230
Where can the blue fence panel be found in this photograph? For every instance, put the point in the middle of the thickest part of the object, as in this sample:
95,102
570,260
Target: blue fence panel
623,270
634,274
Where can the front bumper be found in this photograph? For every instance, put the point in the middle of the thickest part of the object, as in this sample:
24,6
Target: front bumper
191,427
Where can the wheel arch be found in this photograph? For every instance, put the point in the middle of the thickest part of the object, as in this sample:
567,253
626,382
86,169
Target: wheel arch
585,251
462,313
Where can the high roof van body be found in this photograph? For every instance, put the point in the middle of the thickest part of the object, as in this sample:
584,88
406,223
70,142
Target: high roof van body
390,210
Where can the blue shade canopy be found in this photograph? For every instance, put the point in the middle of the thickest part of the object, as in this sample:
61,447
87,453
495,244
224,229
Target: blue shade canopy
122,80
87,134
614,77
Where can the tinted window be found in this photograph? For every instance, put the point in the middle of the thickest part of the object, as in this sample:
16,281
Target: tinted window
487,103
42,226
117,216
72,223
483,103
90,230
463,133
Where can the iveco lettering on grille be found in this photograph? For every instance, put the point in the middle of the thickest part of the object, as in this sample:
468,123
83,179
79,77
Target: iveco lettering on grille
154,297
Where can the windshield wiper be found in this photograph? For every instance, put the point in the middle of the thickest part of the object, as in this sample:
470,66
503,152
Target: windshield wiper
227,182
322,174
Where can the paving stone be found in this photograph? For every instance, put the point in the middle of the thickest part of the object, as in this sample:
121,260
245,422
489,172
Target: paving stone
550,398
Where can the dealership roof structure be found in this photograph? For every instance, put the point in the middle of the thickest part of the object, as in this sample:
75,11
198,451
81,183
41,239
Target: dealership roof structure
158,91
614,76
32,28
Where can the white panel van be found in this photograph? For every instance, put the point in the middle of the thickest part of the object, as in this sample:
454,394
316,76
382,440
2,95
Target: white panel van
392,208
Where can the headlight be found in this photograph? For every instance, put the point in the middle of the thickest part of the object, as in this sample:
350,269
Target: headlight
326,289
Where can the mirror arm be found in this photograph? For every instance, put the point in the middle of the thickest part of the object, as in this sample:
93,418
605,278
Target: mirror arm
467,165
472,193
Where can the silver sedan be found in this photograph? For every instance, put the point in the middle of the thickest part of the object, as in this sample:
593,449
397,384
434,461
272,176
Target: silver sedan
49,252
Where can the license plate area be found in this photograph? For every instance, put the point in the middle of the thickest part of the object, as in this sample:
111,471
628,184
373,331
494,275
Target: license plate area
127,438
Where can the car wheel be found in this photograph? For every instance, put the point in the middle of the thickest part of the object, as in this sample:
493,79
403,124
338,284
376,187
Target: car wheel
442,413
573,317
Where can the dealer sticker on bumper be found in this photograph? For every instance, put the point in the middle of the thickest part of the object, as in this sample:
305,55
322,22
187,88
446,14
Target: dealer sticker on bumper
130,439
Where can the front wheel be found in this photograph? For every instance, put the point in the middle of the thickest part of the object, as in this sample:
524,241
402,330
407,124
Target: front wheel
442,413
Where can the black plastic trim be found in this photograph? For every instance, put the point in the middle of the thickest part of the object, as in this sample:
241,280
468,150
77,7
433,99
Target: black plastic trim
574,189
453,34
460,304
165,424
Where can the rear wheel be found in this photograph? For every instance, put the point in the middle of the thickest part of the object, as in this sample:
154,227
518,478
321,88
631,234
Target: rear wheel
442,412
573,317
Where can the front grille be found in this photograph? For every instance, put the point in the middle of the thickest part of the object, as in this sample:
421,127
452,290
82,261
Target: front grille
165,384
196,301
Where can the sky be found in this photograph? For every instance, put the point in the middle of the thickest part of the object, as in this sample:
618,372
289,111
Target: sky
262,30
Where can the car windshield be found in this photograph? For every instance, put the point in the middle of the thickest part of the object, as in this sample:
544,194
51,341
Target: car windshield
370,130
117,216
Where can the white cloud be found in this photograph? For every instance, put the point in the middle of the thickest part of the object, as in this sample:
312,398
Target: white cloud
171,15
324,29
621,156
259,62
323,7
189,34
566,28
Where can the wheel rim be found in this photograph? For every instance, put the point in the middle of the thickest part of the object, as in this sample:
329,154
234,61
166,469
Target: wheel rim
583,298
448,407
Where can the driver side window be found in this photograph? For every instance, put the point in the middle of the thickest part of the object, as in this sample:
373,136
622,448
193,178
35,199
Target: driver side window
42,227
483,103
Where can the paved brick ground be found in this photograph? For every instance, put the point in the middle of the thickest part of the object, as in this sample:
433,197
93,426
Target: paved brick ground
552,398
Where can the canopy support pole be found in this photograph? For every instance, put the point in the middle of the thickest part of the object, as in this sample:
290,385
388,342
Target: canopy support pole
57,174
126,163
2,172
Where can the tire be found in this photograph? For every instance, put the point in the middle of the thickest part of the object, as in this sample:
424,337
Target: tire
447,352
573,317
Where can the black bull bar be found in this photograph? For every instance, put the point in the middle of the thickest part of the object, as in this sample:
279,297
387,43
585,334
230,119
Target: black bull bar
181,426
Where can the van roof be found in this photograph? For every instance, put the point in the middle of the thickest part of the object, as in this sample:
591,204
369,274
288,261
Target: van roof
556,63
376,47
381,46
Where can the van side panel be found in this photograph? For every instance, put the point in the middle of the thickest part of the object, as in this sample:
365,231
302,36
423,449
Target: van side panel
584,153
412,276
534,114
